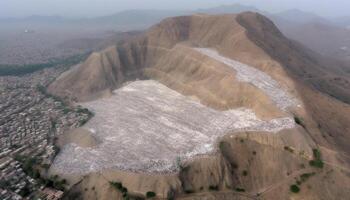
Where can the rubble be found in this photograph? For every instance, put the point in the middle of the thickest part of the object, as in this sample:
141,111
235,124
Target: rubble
147,127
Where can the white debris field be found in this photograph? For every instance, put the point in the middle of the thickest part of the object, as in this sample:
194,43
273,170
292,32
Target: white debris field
147,127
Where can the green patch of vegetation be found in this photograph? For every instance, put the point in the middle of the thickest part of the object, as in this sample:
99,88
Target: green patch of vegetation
304,177
287,148
317,161
150,194
299,121
57,150
19,70
66,109
3,184
45,166
30,167
222,146
54,182
171,194
83,110
234,165
245,173
189,191
73,196
294,189
119,186
214,187
83,122
238,189
25,191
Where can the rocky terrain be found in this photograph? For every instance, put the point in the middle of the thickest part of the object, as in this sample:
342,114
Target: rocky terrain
231,91
183,128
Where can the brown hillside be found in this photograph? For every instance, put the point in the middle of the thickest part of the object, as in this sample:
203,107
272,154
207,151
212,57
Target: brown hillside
264,165
331,115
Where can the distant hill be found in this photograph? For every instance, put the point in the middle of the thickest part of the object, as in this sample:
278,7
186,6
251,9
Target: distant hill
150,17
137,19
35,19
235,8
325,36
343,21
299,16
327,39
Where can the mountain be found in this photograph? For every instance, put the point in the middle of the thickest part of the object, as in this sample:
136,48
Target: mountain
299,16
226,9
343,21
34,19
326,39
135,19
144,18
222,63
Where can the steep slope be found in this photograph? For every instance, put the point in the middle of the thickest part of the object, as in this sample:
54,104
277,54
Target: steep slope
297,61
225,62
100,73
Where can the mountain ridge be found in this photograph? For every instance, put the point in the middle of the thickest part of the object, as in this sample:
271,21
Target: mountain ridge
168,53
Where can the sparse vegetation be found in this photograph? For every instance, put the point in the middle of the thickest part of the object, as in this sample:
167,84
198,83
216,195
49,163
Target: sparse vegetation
294,189
245,173
74,195
287,148
317,161
54,182
304,177
238,189
222,146
171,194
65,108
150,194
189,191
30,167
119,186
28,164
299,121
214,187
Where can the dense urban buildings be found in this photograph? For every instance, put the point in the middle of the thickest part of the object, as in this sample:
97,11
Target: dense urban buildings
30,121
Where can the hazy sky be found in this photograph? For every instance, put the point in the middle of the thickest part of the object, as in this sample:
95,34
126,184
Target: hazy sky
90,8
